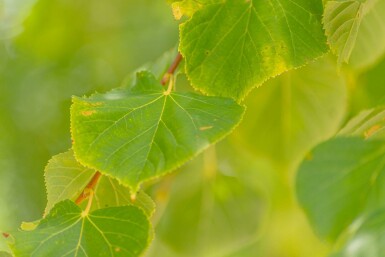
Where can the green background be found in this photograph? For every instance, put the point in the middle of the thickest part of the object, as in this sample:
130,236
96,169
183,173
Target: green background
53,49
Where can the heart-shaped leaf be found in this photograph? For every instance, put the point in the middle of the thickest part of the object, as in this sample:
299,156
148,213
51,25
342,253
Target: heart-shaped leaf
144,132
231,47
67,231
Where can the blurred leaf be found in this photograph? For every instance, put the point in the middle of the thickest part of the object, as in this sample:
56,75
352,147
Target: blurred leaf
97,44
367,124
209,213
29,226
67,230
4,248
229,54
334,185
12,14
145,132
292,113
369,239
342,21
66,179
370,43
5,254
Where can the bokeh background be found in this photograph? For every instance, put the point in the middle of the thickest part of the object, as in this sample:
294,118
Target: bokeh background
236,199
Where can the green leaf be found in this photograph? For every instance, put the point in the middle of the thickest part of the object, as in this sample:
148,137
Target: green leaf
66,178
189,7
356,30
367,124
368,240
293,113
231,47
210,213
370,44
342,20
142,133
4,248
67,231
339,180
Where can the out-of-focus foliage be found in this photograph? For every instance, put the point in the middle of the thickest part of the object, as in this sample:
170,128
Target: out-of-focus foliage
63,48
235,200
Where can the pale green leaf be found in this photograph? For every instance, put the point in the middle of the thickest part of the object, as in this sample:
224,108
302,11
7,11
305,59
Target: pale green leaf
209,213
189,7
28,226
342,20
370,43
294,112
67,231
368,240
231,47
66,178
142,133
340,179
367,124
109,192
356,30
4,248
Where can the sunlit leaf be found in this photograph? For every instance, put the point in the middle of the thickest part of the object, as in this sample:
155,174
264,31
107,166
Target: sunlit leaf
370,44
66,179
67,231
189,7
142,133
356,30
292,113
231,47
342,20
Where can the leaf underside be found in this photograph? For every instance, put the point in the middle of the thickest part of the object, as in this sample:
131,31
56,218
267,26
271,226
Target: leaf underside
66,178
141,133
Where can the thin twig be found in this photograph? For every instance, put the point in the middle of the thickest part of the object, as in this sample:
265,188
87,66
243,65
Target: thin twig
172,69
90,186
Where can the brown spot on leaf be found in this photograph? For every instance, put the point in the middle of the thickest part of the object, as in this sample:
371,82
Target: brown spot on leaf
371,131
88,113
6,235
